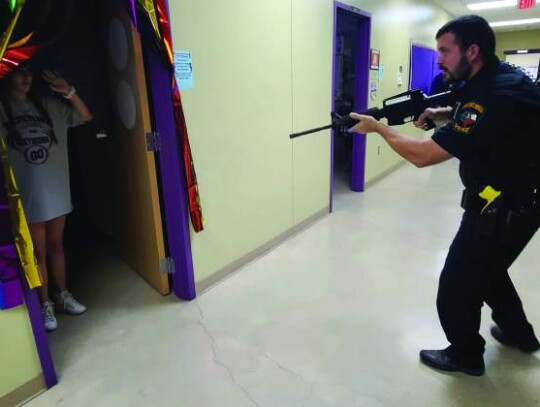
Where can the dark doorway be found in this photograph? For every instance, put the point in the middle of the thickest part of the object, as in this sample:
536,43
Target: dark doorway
350,82
114,187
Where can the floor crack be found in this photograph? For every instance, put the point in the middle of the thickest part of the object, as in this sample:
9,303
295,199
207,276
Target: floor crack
229,371
286,369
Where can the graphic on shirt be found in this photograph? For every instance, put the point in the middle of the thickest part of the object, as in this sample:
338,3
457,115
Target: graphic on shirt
32,136
468,117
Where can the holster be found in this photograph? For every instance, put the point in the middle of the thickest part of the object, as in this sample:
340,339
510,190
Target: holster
489,218
470,201
501,215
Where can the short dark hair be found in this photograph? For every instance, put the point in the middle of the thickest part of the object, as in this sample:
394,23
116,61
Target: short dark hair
472,29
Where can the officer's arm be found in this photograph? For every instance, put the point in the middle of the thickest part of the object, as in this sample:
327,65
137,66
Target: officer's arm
420,152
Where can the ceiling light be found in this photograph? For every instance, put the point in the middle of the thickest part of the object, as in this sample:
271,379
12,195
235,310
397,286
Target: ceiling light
515,22
486,5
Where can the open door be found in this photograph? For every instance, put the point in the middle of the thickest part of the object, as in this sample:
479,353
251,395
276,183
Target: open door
138,229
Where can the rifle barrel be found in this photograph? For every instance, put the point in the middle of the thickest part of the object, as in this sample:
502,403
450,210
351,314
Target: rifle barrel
303,133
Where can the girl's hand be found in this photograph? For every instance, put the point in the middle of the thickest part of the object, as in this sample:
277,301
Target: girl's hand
56,82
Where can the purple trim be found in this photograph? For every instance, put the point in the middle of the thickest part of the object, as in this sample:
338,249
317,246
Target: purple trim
40,335
11,294
362,72
173,181
351,9
9,261
132,10
358,175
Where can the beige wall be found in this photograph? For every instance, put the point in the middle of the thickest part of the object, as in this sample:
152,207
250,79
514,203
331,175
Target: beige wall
262,70
394,25
239,118
512,40
19,362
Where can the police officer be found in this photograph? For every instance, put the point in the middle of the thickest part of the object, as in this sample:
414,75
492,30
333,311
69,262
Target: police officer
494,132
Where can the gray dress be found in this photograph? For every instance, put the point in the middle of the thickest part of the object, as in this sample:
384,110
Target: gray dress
41,165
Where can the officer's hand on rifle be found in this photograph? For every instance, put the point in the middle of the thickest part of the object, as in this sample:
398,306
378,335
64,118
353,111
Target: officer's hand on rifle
439,115
422,122
366,124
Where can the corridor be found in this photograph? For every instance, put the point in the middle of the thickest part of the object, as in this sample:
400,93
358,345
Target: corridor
335,316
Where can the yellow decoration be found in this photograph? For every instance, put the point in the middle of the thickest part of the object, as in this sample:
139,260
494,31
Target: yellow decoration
149,7
489,194
23,240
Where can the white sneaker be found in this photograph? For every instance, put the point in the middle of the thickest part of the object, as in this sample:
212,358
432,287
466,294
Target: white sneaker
48,316
66,303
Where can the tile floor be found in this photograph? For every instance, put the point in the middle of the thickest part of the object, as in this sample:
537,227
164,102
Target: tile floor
333,317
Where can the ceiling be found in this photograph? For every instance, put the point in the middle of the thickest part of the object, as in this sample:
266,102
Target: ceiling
459,7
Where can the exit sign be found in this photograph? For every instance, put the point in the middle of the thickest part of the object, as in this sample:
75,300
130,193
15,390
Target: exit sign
525,4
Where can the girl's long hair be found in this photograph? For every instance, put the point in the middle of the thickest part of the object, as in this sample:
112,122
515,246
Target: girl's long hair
13,135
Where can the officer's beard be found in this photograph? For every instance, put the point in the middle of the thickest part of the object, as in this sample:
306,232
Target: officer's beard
461,73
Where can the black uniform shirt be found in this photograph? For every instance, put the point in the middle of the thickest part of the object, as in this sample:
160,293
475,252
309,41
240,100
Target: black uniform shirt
489,135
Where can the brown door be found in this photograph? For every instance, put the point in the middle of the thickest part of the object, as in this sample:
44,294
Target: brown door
138,227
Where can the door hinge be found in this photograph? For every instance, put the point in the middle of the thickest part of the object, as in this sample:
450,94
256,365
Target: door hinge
166,265
153,141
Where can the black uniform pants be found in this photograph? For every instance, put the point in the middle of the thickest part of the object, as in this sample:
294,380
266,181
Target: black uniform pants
476,271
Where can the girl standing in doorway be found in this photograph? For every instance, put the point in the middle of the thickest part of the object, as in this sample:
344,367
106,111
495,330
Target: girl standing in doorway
36,133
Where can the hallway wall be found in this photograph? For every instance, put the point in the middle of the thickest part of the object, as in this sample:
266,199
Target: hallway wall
263,71
511,40
19,363
395,24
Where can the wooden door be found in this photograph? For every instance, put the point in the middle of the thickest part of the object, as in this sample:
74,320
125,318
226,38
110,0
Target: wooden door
138,229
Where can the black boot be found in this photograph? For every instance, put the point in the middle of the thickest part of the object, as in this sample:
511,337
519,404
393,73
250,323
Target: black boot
504,339
443,360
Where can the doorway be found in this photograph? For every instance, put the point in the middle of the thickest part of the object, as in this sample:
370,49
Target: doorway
423,67
352,28
115,181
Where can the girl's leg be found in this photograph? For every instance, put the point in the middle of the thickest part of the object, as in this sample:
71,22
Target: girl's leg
39,239
55,248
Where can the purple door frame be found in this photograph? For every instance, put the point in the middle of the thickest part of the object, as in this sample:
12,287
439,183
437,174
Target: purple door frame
172,176
171,167
40,335
361,92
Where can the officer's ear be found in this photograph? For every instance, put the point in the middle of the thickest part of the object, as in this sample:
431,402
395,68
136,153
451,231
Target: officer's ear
473,53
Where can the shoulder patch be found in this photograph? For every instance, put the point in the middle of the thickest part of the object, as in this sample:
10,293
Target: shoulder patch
468,116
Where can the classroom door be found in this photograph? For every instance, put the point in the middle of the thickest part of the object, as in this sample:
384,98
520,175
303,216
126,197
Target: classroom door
139,230
423,67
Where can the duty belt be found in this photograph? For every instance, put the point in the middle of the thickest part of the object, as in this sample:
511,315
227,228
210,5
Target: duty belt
481,199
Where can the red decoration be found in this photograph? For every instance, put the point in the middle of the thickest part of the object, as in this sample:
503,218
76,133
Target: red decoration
195,209
526,4
14,57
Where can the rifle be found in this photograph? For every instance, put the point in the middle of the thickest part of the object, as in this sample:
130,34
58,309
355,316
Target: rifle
399,109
